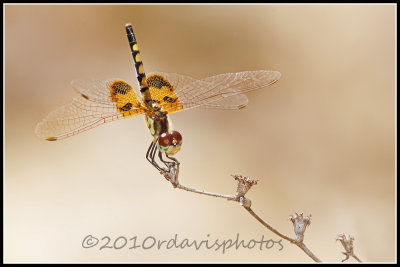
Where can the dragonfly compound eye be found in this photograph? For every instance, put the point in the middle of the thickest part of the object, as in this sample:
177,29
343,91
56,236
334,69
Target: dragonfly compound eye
176,143
177,136
164,142
165,139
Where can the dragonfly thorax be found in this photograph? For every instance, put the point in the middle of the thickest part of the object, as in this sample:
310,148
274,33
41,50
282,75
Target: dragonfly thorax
157,122
167,142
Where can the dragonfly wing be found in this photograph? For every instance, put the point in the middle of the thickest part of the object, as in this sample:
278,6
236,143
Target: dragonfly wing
100,90
223,91
95,90
232,102
76,117
99,102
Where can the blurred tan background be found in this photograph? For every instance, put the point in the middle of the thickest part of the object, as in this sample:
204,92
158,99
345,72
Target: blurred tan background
321,140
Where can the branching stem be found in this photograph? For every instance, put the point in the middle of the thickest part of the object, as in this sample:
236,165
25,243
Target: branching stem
301,245
244,184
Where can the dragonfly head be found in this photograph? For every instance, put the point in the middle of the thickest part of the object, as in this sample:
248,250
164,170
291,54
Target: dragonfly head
170,143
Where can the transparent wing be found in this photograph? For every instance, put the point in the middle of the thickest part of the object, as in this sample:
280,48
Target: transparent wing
95,90
223,91
97,104
232,102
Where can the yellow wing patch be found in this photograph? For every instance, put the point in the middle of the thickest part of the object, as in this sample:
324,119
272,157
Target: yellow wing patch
163,93
125,98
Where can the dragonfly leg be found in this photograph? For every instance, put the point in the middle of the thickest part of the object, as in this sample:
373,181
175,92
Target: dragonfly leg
162,160
173,169
168,163
172,158
151,151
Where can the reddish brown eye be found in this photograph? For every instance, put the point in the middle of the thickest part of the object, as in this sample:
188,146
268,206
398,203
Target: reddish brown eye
165,139
176,135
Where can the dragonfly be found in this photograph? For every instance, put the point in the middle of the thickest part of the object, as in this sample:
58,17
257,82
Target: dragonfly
103,101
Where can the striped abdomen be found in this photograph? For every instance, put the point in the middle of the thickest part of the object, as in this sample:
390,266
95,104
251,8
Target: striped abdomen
141,76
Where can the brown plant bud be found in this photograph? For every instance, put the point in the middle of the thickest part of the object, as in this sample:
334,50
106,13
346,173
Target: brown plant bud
300,224
347,243
244,184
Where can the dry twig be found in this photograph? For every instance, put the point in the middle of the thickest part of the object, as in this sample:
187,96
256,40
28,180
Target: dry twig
347,242
300,222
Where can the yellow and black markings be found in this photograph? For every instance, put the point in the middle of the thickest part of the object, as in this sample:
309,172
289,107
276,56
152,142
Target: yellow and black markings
125,98
141,76
163,93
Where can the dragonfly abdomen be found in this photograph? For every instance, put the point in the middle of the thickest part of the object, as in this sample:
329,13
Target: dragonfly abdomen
141,76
